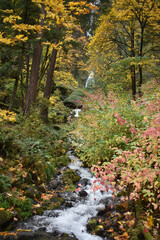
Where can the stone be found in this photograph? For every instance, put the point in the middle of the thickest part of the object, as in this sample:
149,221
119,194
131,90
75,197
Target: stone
30,193
84,181
68,204
83,193
92,225
25,235
65,236
53,184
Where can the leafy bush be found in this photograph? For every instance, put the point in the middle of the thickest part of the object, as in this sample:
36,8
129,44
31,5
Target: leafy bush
120,140
5,183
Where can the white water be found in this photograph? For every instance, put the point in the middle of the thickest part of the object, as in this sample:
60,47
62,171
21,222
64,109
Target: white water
76,112
73,220
90,80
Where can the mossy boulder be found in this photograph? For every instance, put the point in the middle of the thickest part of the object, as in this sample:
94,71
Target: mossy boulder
39,211
62,161
32,193
5,219
73,101
70,176
54,203
92,225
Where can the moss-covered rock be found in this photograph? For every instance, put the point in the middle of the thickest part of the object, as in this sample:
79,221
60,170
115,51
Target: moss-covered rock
70,176
32,193
91,226
54,203
39,211
73,100
5,219
62,161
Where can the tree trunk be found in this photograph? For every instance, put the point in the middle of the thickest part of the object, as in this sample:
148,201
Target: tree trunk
14,93
49,83
20,64
32,87
27,63
133,72
140,66
133,77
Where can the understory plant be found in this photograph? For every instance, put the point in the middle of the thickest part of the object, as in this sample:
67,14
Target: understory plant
120,139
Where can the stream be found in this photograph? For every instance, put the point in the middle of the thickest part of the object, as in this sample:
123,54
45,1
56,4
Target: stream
73,220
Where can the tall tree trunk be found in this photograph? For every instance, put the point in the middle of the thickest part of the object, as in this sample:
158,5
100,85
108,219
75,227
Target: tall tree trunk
32,87
133,72
49,84
20,64
14,93
133,77
140,66
27,63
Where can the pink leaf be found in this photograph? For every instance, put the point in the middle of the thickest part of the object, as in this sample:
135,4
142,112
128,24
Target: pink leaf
116,115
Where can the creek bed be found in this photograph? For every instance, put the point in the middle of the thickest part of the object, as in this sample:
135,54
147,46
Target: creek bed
72,218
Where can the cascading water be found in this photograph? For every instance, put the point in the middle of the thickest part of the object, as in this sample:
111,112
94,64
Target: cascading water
73,220
76,112
90,80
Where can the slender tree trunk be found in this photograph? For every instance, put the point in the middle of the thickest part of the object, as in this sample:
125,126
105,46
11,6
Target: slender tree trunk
27,63
32,87
14,93
133,72
49,84
133,77
140,66
20,64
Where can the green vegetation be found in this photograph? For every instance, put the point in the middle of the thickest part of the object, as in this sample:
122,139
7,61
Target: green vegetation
119,139
47,52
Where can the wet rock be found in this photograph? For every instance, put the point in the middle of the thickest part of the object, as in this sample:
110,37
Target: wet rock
25,235
99,230
84,181
68,204
92,225
101,212
109,204
65,236
31,193
5,219
41,188
83,193
39,211
65,168
70,174
43,236
73,198
10,237
55,202
53,184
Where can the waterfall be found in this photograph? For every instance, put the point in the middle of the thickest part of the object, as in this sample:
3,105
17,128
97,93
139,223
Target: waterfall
90,80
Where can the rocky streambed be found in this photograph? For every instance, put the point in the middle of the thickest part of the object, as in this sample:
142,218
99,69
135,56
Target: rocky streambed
69,214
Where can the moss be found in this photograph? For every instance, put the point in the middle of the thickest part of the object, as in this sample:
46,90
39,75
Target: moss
54,203
71,101
5,219
70,176
62,161
39,211
138,231
92,224
99,229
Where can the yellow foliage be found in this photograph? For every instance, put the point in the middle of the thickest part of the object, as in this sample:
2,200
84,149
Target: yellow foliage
7,115
54,99
65,79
